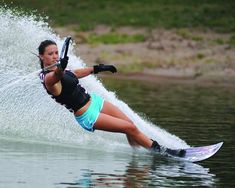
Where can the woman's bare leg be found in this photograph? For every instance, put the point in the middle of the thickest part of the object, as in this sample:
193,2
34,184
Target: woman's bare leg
110,109
115,123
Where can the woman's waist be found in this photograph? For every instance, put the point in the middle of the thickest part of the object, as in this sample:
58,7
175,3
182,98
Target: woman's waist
83,109
75,102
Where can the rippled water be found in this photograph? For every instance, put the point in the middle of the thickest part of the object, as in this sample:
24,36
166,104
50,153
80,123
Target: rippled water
41,144
199,115
38,165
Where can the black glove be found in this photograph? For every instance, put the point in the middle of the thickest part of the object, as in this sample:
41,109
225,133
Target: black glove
102,67
63,63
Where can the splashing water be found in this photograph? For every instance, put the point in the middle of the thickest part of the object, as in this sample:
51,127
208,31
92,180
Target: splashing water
28,112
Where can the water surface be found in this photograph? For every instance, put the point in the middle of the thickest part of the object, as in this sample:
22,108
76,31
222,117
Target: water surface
41,145
200,115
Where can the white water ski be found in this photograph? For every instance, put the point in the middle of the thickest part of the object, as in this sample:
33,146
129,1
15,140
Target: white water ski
195,154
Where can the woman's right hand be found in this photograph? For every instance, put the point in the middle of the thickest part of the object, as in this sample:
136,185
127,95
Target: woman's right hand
63,63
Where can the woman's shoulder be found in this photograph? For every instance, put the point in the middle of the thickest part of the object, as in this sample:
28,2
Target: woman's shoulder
43,74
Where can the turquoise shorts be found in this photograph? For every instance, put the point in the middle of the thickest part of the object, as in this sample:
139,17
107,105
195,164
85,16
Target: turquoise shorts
89,117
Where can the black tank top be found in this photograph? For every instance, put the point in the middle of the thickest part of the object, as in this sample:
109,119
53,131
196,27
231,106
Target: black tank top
73,96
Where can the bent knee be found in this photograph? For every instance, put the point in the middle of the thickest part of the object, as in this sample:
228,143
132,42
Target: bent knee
132,129
130,121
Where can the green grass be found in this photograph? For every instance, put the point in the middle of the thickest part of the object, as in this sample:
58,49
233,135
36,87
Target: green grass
232,40
219,41
200,56
186,34
114,38
210,14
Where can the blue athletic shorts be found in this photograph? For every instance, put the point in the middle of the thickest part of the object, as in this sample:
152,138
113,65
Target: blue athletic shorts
89,117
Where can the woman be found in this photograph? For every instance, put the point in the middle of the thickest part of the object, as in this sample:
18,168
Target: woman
92,112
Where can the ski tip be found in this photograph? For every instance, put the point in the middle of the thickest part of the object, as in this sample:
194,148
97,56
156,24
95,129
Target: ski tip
220,144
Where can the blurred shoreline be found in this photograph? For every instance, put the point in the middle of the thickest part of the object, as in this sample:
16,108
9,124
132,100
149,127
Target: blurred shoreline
176,55
217,81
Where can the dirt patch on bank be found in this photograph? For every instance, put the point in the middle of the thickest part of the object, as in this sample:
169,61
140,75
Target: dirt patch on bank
177,53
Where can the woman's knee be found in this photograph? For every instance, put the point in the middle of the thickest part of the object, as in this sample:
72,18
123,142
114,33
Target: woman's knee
131,129
130,121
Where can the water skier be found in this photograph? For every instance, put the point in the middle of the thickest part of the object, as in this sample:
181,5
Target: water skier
91,111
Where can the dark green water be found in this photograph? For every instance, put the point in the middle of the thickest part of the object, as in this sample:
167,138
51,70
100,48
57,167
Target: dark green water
200,115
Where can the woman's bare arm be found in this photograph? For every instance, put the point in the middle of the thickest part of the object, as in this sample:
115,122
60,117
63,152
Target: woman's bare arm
83,72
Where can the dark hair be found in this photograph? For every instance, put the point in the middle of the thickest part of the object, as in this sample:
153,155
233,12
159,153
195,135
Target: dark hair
42,47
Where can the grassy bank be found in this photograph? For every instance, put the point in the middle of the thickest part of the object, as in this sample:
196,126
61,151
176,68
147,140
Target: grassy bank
209,14
172,38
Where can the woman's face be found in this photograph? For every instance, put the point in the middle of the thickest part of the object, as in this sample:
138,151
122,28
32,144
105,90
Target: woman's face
50,55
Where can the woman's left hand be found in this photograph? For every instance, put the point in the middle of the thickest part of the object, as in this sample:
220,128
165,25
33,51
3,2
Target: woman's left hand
102,67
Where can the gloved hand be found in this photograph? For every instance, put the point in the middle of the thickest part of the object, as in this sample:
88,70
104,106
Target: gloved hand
64,63
102,67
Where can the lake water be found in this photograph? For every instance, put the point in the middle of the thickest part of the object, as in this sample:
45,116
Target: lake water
200,115
41,144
